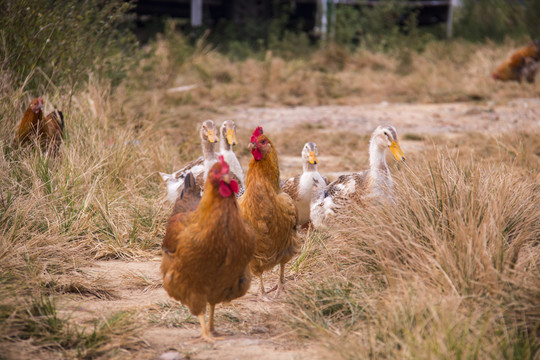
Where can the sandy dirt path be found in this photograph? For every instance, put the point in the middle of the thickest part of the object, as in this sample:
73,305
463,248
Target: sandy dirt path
250,328
415,118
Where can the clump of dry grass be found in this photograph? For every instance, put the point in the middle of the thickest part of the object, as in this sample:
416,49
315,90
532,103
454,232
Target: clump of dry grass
99,199
450,270
40,322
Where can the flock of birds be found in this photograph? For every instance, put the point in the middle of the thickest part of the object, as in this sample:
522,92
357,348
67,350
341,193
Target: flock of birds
225,227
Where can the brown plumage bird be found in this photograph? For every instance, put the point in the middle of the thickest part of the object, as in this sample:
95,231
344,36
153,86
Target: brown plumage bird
48,131
185,204
270,211
522,64
212,249
28,126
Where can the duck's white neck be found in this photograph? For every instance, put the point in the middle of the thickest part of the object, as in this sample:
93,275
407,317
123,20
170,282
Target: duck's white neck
209,153
309,167
377,164
224,145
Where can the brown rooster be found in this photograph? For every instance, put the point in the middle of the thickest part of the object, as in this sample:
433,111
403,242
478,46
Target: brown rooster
28,126
270,211
48,131
522,64
212,249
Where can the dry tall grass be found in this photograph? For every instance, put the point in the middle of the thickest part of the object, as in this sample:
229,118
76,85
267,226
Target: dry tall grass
99,199
449,271
444,72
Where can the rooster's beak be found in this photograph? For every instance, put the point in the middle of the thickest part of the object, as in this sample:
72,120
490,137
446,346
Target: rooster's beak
231,137
226,179
312,158
396,151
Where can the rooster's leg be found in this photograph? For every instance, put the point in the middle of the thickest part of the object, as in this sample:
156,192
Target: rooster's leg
211,322
279,286
205,334
262,292
211,318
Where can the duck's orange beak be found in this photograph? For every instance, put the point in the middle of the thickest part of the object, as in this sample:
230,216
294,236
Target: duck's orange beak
212,136
231,137
396,151
312,158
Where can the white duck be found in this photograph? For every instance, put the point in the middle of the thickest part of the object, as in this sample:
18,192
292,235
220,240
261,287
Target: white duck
228,140
361,186
199,167
308,186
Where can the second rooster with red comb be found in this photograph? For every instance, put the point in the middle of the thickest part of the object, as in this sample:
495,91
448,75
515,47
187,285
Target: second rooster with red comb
270,211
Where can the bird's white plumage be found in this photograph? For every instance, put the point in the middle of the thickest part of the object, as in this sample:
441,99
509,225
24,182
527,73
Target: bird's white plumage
375,183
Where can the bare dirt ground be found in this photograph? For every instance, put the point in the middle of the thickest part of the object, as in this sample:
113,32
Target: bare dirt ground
249,327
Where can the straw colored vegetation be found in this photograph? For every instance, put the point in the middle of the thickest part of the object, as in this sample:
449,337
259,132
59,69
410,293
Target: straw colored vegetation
451,270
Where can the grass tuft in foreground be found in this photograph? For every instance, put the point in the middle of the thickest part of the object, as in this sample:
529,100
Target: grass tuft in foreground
450,270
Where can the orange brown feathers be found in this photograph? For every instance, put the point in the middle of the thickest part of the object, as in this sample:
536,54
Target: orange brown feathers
522,64
47,131
212,248
271,212
185,204
28,126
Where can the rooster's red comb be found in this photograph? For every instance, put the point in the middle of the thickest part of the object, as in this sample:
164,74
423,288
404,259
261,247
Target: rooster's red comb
258,132
224,165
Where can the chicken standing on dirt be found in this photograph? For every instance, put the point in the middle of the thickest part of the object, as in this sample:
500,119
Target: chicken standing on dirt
48,131
270,211
214,245
522,65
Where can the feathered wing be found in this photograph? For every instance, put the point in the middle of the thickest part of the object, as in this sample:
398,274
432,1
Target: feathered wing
326,181
291,187
196,167
345,189
185,205
290,217
52,130
275,229
175,181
